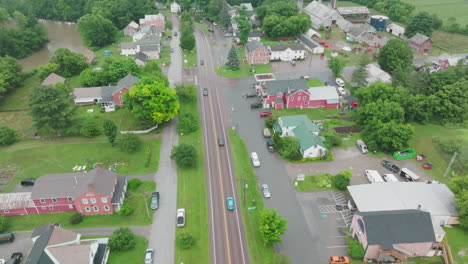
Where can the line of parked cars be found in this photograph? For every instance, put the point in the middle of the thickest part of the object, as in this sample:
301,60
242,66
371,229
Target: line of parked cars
374,177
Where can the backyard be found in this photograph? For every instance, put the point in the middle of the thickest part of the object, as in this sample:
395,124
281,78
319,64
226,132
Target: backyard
190,58
133,256
136,199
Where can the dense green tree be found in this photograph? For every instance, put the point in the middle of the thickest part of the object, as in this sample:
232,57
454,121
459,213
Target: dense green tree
91,78
89,128
129,143
187,124
185,241
21,42
225,17
371,114
400,11
233,59
213,9
96,30
70,63
20,19
122,239
243,25
389,136
3,223
423,23
452,103
355,249
8,136
46,70
187,40
186,93
360,74
289,148
462,205
341,180
332,138
184,155
437,80
277,26
3,15
384,92
336,65
110,130
117,68
272,226
420,108
395,54
10,75
151,99
51,109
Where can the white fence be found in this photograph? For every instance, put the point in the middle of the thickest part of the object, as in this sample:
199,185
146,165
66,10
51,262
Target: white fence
140,131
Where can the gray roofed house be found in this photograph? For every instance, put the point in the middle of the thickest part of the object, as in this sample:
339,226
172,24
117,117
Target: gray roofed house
282,47
128,45
89,55
420,43
140,58
353,10
284,86
52,79
255,34
323,93
88,95
253,45
419,38
120,189
73,184
322,15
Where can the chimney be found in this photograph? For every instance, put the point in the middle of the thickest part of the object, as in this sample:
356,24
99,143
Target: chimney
419,207
91,187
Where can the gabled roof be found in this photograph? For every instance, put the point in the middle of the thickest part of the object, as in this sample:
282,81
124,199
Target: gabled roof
321,14
283,47
118,192
253,45
53,79
149,48
15,200
353,10
88,92
387,228
89,55
419,39
141,56
323,93
299,120
73,184
254,34
148,41
376,74
307,139
128,45
273,87
133,25
397,28
127,82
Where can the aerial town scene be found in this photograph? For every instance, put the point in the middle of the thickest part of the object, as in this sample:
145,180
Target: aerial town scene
233,131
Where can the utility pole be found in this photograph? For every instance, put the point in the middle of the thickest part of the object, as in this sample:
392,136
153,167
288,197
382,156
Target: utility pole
450,163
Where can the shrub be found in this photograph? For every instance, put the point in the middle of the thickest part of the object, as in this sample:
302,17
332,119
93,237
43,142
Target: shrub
187,124
76,218
3,223
184,155
89,128
269,121
341,180
187,93
332,138
122,239
129,143
185,241
8,136
133,184
126,210
147,157
355,248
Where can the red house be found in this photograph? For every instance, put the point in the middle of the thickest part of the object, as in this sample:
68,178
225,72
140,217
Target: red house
98,191
289,94
256,53
420,43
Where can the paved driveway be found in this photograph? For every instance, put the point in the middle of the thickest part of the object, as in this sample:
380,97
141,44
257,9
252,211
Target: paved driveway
22,243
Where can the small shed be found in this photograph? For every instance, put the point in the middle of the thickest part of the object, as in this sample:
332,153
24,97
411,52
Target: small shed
396,30
420,43
89,55
52,79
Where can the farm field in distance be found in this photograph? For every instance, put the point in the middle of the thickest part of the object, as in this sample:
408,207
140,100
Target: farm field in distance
444,9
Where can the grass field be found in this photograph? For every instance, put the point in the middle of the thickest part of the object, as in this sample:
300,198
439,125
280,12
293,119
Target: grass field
113,48
314,83
457,239
165,56
134,256
123,118
191,195
259,253
448,43
135,198
224,71
315,182
37,161
190,59
443,9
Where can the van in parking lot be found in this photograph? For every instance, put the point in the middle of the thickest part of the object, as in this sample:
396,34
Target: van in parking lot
390,178
361,146
409,175
7,237
373,176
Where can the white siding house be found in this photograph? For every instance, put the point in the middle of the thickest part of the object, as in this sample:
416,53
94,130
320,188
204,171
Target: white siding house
287,52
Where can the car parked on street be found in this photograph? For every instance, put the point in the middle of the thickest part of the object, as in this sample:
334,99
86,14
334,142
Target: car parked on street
180,217
15,258
205,91
149,256
230,203
338,260
28,182
266,191
255,105
7,237
361,146
265,114
255,159
340,82
342,91
221,141
270,145
390,166
155,200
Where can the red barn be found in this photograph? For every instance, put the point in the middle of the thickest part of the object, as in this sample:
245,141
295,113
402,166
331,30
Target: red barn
420,43
13,204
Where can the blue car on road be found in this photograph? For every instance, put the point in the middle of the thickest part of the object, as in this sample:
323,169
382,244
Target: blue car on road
230,203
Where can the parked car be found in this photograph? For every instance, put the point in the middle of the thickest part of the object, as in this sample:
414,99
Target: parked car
205,91
338,260
155,200
270,145
390,166
342,91
28,182
221,141
7,237
149,256
255,105
228,34
15,258
181,217
325,44
265,114
202,62
361,146
230,204
175,33
390,178
340,82
255,159
373,176
266,191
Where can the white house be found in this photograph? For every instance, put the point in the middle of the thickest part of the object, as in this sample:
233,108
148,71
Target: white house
175,7
395,30
128,48
311,144
255,35
150,46
287,52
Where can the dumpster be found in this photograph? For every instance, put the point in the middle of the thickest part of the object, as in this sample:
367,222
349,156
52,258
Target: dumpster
404,154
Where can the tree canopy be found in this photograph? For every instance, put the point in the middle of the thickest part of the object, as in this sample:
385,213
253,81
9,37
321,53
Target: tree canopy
10,75
151,99
233,59
336,65
395,54
96,30
282,19
70,63
272,226
423,23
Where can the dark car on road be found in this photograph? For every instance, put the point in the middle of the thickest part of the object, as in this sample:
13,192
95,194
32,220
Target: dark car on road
221,141
15,258
265,114
390,166
205,91
28,182
270,145
155,200
255,105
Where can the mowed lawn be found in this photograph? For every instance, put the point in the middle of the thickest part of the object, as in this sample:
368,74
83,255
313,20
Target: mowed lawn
457,239
444,9
191,195
134,256
36,161
447,42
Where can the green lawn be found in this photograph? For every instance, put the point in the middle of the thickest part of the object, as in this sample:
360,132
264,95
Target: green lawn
191,195
100,58
123,118
134,256
312,113
443,9
190,59
315,182
37,161
19,121
18,98
314,83
165,56
427,260
259,253
135,198
224,71
448,43
457,239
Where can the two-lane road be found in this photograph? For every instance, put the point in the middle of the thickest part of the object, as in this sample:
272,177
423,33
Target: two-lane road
227,240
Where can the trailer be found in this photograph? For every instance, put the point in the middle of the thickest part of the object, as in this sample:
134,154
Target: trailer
373,176
409,175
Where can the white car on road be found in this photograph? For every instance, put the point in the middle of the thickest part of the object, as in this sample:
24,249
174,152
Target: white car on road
255,159
340,82
266,191
342,91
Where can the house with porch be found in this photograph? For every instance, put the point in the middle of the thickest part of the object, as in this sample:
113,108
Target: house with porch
256,53
53,244
311,144
285,52
131,28
420,43
390,236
